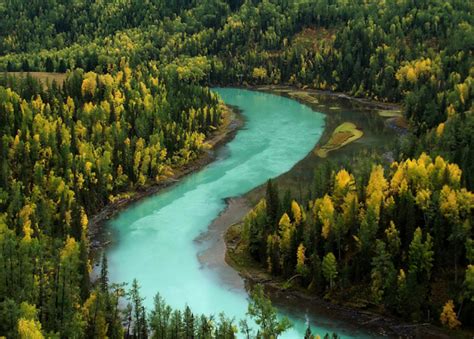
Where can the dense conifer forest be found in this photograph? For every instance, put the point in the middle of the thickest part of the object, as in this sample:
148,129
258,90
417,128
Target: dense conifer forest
135,106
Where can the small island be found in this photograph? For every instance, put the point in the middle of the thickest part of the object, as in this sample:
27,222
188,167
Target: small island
343,135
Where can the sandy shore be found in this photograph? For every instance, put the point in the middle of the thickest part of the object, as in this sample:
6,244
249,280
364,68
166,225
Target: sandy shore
214,255
218,255
298,300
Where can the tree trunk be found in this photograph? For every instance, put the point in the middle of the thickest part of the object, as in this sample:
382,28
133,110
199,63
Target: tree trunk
455,263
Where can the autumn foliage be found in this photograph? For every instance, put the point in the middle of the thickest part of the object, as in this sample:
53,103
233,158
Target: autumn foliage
407,224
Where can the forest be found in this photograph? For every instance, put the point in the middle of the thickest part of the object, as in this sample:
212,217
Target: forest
400,239
136,106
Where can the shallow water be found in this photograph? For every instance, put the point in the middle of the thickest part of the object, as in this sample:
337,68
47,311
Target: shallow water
156,236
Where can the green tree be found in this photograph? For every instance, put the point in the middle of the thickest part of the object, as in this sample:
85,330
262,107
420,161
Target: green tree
469,283
260,309
140,327
104,272
273,203
383,272
329,268
160,318
420,257
420,263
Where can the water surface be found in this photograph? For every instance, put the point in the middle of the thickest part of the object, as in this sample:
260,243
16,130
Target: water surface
155,237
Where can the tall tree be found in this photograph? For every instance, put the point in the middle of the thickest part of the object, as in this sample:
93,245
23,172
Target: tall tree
260,309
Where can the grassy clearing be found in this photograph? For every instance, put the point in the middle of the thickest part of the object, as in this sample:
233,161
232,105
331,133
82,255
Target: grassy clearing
303,96
311,38
392,113
278,90
343,135
43,77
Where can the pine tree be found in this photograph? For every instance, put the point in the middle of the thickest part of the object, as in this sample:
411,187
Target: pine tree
84,266
139,320
273,203
160,318
308,334
260,309
420,257
273,254
383,272
104,279
188,319
368,231
317,282
420,263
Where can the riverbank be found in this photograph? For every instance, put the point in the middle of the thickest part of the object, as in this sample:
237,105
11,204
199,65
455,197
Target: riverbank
335,115
100,237
374,119
304,92
155,239
378,324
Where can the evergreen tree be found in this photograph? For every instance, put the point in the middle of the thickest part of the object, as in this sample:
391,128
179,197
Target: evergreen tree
104,272
273,204
264,314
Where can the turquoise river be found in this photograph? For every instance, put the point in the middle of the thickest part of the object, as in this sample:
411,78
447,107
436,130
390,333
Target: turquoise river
155,238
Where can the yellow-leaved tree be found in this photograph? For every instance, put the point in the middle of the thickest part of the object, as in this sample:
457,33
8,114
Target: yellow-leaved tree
92,312
448,317
286,231
29,329
259,73
376,189
28,326
344,182
296,212
89,84
326,215
301,261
